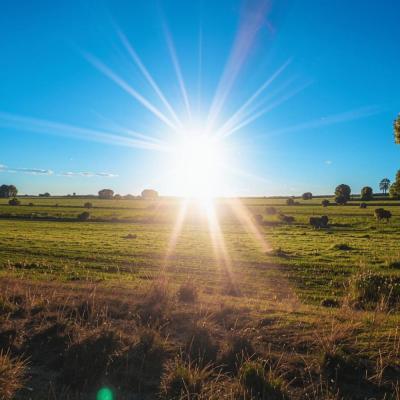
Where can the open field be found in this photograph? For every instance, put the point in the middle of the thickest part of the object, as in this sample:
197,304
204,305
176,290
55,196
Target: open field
109,302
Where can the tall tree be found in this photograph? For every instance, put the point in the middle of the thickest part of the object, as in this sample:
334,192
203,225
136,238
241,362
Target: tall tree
106,194
384,185
396,129
8,191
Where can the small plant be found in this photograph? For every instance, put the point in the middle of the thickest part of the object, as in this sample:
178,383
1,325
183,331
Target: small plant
14,202
84,216
88,204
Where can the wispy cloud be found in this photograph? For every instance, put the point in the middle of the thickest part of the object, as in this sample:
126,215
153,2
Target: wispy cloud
328,162
89,174
30,171
41,171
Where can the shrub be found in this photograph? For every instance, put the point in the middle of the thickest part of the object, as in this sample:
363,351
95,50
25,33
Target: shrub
319,222
30,204
307,196
258,218
261,384
363,205
88,204
187,292
12,371
290,201
325,203
341,246
83,216
381,213
271,211
371,288
330,303
14,202
287,219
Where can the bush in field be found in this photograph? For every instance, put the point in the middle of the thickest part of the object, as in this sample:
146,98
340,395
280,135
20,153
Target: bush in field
290,201
363,205
319,222
84,216
271,211
381,214
287,219
371,288
325,203
367,193
307,196
88,204
342,194
14,202
30,204
258,218
12,371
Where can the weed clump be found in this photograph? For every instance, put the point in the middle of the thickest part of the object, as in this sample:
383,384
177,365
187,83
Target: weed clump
238,348
373,289
260,383
12,371
183,379
330,303
187,292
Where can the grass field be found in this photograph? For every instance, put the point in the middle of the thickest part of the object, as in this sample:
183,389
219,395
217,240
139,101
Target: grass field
278,310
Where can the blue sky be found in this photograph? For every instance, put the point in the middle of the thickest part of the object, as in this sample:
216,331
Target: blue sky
328,114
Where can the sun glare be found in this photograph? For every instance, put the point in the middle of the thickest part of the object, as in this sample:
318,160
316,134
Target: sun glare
198,166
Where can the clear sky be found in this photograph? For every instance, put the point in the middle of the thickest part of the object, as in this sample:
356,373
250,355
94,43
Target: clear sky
79,80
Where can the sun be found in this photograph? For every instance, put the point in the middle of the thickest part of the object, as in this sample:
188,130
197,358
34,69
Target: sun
199,159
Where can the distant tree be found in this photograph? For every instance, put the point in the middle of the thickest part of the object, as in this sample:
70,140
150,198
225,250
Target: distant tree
394,190
8,191
290,201
14,202
88,204
384,185
307,196
106,194
325,203
84,216
367,193
117,197
46,194
342,194
129,197
149,194
396,129
74,194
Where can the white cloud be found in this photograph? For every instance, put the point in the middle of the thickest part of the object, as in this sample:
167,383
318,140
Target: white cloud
89,174
328,162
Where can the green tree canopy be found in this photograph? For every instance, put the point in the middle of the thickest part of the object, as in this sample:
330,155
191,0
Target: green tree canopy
367,193
396,129
394,190
8,191
106,194
342,193
384,185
